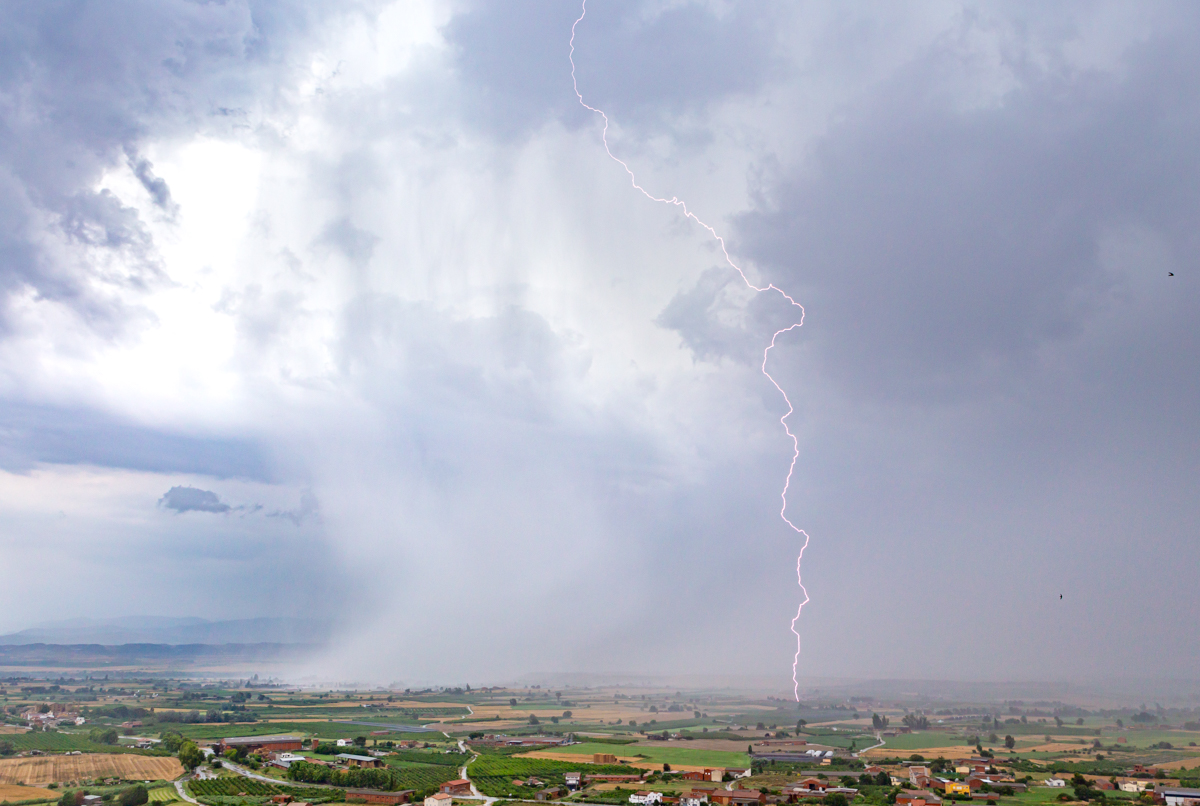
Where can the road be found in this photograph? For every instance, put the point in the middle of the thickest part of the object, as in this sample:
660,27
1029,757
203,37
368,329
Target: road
475,793
183,793
872,747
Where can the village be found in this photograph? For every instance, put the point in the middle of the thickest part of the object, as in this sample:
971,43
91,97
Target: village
452,747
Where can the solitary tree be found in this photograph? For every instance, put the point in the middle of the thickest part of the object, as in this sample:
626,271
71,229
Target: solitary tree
190,755
133,796
1010,742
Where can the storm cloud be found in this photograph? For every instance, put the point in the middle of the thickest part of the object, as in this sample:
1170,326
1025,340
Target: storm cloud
375,257
191,499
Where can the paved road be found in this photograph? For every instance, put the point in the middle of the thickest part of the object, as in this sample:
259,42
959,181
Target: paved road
183,793
475,793
249,774
872,747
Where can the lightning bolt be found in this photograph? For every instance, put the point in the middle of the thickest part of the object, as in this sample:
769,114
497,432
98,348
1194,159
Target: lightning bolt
677,202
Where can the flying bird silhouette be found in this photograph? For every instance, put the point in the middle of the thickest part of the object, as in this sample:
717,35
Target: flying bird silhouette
1170,274
1060,596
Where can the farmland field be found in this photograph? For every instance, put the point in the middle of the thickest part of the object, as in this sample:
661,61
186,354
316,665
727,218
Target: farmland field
673,754
10,793
923,740
50,769
59,741
164,794
318,728
493,774
235,786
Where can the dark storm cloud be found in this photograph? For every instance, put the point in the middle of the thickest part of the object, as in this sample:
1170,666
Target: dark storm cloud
30,434
80,86
996,373
154,185
940,247
192,499
641,62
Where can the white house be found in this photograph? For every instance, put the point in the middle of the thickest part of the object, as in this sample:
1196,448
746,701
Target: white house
440,799
1055,782
694,799
644,798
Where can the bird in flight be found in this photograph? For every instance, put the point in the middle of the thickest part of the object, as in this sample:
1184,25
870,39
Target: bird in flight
1060,596
1170,274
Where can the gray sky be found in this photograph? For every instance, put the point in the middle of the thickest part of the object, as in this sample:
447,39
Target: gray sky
341,307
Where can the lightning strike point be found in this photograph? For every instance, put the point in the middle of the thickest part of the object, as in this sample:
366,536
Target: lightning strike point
677,202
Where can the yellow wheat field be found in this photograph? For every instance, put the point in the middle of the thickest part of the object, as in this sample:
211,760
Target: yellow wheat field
10,793
37,770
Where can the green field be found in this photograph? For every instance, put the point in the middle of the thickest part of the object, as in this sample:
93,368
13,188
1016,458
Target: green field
493,773
57,741
233,787
324,730
1044,795
164,794
922,740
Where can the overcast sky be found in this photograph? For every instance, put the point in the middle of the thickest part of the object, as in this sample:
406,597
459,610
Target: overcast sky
341,308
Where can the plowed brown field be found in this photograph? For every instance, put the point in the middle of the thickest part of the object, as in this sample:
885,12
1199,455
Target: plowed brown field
51,769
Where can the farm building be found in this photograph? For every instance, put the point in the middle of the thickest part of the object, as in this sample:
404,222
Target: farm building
807,785
259,744
549,793
460,787
1174,796
440,799
377,796
573,780
644,798
918,797
351,760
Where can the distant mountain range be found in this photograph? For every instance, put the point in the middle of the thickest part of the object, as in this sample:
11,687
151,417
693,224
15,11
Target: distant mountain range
172,631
